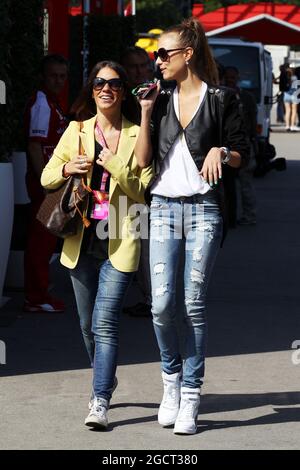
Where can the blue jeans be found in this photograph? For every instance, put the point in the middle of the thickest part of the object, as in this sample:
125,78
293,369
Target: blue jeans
84,278
196,223
112,289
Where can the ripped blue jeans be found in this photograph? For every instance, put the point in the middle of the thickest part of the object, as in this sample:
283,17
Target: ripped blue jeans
196,223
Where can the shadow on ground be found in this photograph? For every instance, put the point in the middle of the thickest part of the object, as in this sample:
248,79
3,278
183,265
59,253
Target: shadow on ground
217,403
253,298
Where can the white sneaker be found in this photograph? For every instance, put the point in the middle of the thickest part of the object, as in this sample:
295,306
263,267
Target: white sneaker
97,417
186,422
295,129
91,402
169,406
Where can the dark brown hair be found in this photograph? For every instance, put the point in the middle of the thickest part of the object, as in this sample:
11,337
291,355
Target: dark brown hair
191,34
134,50
84,106
52,59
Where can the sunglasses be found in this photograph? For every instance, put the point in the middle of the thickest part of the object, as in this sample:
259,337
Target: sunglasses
114,83
162,53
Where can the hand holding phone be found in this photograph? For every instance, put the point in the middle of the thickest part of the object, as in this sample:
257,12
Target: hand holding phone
144,94
144,90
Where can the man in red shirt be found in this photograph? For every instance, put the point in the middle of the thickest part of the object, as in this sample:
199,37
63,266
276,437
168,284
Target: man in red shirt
44,124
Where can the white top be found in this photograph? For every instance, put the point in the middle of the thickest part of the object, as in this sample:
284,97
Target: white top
179,174
40,116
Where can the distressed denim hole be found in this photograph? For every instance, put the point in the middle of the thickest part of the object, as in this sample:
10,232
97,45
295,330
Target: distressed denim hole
159,268
197,276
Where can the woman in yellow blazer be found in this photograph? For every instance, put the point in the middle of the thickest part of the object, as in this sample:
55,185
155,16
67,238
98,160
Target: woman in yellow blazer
102,267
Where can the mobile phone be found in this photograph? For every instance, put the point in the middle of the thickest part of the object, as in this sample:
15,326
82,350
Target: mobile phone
144,89
147,92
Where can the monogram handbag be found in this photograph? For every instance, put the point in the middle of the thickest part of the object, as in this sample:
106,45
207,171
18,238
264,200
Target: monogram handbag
62,210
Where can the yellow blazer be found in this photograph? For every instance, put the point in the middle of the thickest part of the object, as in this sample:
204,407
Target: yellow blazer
127,180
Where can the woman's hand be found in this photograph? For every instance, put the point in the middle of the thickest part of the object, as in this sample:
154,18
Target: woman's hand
104,156
148,102
143,147
212,166
78,165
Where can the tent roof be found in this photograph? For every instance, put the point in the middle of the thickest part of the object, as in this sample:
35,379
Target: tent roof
268,23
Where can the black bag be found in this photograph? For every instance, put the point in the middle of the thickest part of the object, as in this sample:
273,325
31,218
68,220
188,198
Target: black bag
62,209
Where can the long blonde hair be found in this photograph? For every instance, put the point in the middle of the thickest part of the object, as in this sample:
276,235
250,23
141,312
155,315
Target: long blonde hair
191,34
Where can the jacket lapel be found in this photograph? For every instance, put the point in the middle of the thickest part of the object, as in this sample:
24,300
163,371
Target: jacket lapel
126,146
170,128
87,137
127,140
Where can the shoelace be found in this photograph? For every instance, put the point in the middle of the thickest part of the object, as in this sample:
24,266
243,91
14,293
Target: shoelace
98,408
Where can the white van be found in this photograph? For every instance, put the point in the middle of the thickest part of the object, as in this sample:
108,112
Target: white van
255,68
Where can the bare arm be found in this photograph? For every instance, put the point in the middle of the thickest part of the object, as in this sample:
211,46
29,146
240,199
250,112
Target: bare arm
143,147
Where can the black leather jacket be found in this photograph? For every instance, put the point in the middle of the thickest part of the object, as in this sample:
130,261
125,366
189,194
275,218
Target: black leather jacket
217,123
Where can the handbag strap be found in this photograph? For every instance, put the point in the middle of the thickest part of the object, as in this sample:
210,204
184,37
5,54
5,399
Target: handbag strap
82,152
80,143
102,141
85,221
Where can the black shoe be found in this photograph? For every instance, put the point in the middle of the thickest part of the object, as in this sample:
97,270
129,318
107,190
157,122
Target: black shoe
280,164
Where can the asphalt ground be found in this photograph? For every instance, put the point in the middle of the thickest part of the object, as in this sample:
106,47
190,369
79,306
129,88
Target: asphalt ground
251,397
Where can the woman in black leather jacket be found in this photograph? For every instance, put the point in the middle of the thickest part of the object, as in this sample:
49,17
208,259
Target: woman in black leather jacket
195,133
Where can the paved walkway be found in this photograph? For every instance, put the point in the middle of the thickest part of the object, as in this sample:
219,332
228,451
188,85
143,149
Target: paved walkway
251,397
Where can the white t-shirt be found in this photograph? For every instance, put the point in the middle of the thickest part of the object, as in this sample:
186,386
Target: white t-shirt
179,174
40,117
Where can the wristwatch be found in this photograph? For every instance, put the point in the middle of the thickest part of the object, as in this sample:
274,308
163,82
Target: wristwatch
227,154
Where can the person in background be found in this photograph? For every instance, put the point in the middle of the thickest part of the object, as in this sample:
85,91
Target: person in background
138,66
291,100
139,69
280,80
229,174
297,73
45,123
248,110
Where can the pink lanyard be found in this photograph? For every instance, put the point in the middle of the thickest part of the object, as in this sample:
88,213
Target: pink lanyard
104,145
100,210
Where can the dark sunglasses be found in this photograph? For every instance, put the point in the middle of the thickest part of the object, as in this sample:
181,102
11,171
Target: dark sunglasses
114,83
162,53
